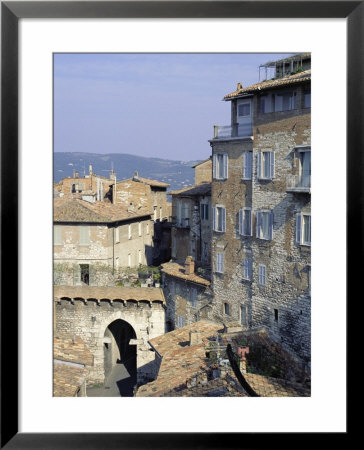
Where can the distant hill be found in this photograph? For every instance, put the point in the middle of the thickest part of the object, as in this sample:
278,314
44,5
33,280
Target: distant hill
176,173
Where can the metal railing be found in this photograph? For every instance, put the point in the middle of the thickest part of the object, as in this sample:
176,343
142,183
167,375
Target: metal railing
299,183
231,131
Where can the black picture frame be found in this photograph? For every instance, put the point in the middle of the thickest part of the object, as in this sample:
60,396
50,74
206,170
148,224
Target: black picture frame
11,12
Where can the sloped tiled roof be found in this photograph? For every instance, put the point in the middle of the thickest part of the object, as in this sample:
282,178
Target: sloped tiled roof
297,78
155,183
178,270
76,210
199,189
67,379
72,349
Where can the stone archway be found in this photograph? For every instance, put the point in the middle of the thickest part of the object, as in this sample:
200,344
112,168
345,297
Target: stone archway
120,357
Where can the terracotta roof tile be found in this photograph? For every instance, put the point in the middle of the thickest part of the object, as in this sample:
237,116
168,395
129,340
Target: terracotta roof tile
155,183
200,189
76,210
297,78
72,349
177,270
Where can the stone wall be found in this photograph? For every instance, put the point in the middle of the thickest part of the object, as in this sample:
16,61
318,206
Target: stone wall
203,172
185,299
90,321
283,304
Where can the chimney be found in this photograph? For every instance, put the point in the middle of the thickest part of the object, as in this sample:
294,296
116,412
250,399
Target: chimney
189,266
239,86
90,169
76,175
195,338
136,176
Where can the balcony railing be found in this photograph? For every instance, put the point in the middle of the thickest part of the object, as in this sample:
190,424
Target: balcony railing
299,183
232,131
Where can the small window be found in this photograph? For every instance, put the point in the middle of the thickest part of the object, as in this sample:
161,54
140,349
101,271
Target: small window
139,228
244,109
57,236
220,166
303,229
226,308
243,315
84,235
204,211
247,165
155,214
247,275
129,231
117,234
245,222
180,321
219,219
85,273
220,262
262,275
265,225
276,315
265,165
285,102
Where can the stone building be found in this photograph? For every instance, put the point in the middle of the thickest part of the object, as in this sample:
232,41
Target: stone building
115,323
138,192
92,241
203,171
261,199
187,293
90,188
191,223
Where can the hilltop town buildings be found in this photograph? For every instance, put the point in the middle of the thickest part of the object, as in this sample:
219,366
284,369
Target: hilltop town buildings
234,248
261,198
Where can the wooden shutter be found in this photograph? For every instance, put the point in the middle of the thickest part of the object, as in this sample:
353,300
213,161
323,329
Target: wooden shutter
223,212
241,221
271,221
214,166
259,221
225,163
298,228
214,219
249,161
76,274
271,164
262,274
259,165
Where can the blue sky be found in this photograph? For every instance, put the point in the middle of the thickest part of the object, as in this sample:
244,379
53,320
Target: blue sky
159,105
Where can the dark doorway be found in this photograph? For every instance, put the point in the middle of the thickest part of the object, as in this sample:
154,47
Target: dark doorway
85,273
120,358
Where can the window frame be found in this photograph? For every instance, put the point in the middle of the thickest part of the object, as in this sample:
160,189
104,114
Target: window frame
300,229
262,275
248,268
219,262
225,166
261,175
248,176
82,240
270,224
242,221
223,220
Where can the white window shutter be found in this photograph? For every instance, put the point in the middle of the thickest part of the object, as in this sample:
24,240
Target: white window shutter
271,220
223,211
225,162
214,218
244,164
259,218
298,228
222,262
251,223
241,223
271,164
259,165
214,166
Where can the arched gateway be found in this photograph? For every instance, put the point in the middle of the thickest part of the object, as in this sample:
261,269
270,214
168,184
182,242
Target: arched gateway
115,323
